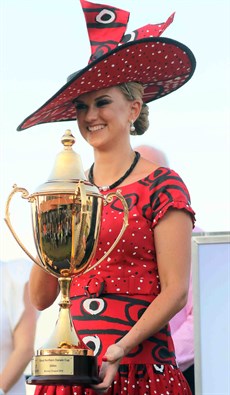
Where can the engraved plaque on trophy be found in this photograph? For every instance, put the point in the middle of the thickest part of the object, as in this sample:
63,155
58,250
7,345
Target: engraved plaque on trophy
66,217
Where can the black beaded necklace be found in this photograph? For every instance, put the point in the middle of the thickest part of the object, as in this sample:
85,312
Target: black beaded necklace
118,182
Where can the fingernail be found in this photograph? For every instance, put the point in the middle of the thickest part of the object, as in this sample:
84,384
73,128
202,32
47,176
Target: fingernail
104,359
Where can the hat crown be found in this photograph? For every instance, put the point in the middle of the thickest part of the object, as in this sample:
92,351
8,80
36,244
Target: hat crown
107,25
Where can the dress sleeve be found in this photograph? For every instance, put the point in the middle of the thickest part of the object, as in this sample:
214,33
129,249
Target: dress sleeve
168,191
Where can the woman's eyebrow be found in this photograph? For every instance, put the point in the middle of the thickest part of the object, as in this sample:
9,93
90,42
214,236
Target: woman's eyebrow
77,101
96,99
102,97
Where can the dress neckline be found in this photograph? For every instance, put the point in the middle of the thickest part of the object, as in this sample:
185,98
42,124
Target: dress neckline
137,181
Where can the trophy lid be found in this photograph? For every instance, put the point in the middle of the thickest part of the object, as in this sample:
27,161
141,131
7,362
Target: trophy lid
67,171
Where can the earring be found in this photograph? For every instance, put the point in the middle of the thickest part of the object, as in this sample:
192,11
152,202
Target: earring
132,127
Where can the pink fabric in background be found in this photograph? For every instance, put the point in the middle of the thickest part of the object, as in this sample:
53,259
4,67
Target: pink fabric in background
183,334
182,329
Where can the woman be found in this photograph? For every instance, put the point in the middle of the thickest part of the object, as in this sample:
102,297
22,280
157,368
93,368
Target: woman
131,296
159,269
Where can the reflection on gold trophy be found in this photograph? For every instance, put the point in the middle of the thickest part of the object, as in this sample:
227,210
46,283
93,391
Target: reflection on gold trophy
66,216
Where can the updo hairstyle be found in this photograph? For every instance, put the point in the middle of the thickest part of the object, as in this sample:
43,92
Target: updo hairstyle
134,91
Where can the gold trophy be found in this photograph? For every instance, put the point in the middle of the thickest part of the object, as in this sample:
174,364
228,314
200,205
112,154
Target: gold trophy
66,216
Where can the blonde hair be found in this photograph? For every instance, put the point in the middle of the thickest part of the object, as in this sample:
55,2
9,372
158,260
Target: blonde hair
134,91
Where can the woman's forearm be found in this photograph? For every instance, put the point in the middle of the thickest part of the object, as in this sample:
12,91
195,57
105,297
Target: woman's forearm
44,288
156,316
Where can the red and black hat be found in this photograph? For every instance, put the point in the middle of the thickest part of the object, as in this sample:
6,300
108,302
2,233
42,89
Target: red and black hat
160,64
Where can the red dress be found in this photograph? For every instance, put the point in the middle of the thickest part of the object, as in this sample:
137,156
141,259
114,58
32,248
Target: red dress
107,301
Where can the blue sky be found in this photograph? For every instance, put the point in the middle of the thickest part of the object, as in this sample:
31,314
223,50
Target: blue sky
44,41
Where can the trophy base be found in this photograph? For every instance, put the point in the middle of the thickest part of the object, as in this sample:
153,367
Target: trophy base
83,371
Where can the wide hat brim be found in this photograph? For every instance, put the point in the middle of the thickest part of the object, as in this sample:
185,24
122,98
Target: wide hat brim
160,64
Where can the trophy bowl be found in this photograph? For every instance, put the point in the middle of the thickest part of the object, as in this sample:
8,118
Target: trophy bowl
66,216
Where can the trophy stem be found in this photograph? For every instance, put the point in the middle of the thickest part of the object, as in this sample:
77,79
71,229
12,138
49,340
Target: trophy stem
64,359
64,340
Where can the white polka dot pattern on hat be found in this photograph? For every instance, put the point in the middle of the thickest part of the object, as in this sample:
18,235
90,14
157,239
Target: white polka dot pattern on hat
161,67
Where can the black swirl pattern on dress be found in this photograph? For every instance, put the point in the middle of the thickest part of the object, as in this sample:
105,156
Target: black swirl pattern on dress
133,313
134,308
98,310
131,200
161,353
164,186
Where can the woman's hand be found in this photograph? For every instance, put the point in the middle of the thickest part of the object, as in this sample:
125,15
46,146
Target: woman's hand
109,368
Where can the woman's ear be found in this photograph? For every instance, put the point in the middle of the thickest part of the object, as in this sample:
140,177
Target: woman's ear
136,109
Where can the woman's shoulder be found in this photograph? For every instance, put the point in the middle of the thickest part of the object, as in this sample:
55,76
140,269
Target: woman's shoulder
143,169
148,171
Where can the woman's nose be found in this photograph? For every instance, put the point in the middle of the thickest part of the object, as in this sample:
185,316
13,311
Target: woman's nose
91,113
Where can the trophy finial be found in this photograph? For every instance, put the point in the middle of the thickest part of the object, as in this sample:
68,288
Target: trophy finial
67,170
68,165
68,139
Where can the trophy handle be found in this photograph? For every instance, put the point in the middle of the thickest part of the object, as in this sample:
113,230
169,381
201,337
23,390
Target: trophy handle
108,199
24,195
